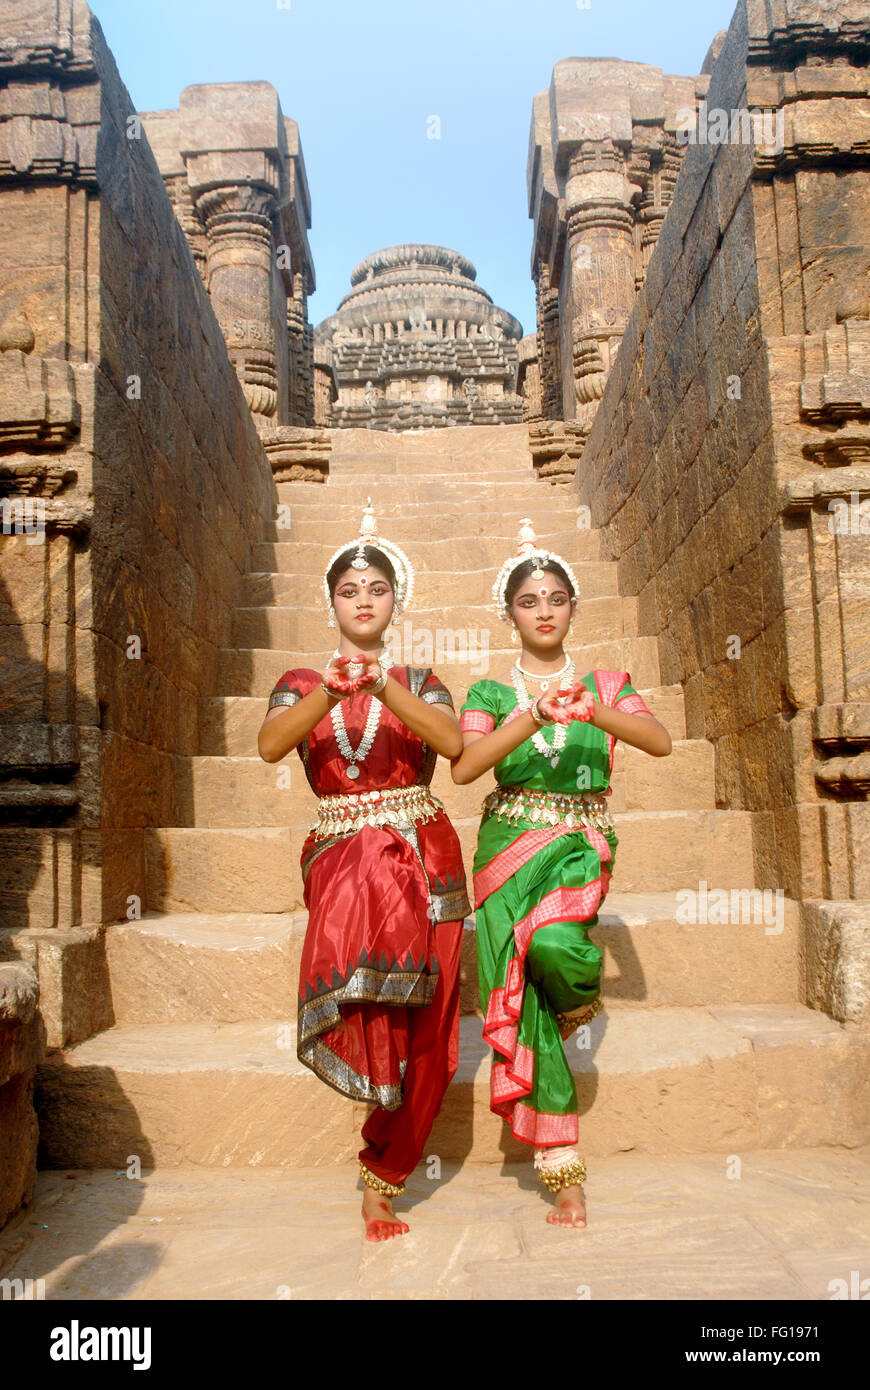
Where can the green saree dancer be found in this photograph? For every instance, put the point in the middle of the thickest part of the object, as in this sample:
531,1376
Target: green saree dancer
544,858
545,854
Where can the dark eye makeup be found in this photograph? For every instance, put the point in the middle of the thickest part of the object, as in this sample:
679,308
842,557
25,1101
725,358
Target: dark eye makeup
526,600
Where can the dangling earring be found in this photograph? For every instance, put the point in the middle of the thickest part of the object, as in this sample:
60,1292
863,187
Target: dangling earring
330,621
514,635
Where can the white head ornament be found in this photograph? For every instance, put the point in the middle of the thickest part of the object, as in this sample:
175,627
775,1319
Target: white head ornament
527,549
368,535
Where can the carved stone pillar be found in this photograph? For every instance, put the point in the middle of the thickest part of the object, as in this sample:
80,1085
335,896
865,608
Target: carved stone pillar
549,355
603,161
600,230
658,192
325,384
238,223
299,344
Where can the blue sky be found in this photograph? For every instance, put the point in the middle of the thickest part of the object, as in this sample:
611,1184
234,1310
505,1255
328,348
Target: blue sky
362,81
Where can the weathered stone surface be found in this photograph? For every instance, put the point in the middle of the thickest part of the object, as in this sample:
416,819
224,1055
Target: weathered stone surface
19,1131
155,465
838,958
22,1047
297,453
673,1226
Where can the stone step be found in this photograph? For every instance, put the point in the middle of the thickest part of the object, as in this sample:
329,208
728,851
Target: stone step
596,579
243,671
238,869
198,966
397,492
229,724
432,589
235,792
228,968
464,627
519,480
430,452
466,526
474,461
433,445
466,550
726,1079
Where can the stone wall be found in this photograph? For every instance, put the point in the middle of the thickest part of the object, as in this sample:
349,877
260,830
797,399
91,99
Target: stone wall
131,455
736,410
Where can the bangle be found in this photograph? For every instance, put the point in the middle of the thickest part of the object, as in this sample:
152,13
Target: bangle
376,689
536,713
330,693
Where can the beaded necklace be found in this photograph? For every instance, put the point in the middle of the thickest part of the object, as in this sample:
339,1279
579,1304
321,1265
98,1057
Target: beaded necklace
357,755
549,750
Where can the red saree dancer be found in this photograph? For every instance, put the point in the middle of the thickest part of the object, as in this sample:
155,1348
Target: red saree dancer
384,883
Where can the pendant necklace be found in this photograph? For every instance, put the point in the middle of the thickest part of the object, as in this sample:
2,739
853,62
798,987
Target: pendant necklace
552,750
359,754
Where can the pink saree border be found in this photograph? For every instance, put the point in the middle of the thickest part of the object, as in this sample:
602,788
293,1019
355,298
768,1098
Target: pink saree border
505,864
538,1128
512,1079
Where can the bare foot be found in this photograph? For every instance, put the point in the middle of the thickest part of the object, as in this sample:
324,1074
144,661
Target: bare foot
381,1222
570,1208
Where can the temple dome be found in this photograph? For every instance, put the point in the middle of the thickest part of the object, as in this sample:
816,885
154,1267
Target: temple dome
416,342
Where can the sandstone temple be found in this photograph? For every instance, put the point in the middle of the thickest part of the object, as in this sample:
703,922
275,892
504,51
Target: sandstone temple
687,422
417,343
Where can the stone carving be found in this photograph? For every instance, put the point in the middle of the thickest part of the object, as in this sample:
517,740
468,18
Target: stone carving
417,343
601,177
556,447
242,203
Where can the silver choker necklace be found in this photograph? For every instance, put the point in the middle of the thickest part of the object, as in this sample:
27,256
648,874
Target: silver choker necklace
544,682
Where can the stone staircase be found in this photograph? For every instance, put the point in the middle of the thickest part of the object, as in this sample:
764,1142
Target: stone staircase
703,1045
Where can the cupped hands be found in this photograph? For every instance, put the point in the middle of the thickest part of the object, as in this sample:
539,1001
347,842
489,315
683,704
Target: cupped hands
573,702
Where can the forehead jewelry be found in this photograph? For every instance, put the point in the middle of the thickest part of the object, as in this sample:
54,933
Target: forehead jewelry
368,535
527,549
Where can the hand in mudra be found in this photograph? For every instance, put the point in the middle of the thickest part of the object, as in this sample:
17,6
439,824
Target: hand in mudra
348,675
370,676
336,677
567,703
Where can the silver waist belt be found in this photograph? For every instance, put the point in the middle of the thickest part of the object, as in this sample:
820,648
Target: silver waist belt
586,810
